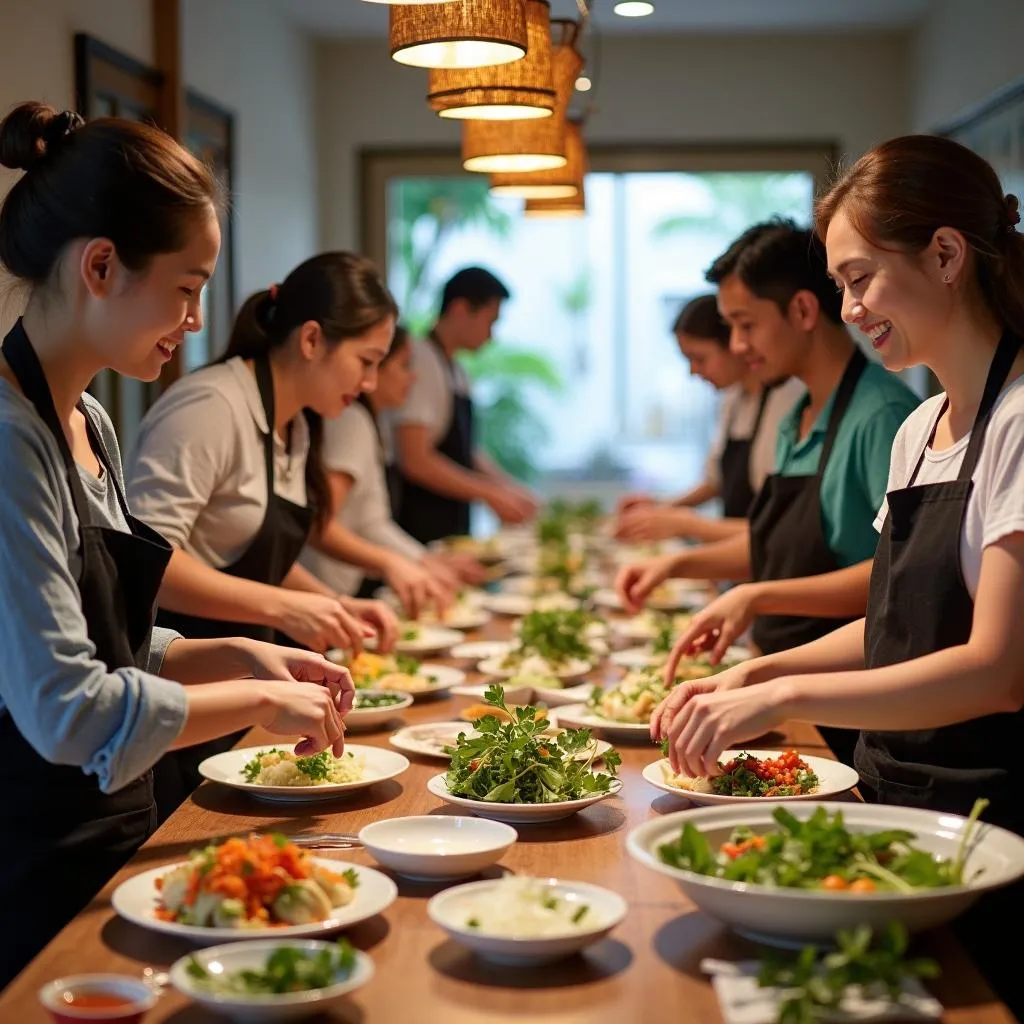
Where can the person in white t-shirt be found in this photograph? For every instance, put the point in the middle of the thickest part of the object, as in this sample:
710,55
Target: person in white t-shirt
742,453
444,469
365,489
925,247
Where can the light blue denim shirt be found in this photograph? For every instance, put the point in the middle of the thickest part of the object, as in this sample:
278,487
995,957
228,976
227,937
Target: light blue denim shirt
68,705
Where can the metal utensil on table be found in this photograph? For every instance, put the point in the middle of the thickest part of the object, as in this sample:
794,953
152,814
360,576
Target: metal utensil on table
326,840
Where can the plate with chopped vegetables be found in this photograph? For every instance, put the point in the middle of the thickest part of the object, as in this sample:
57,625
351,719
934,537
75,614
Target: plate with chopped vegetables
757,775
800,872
374,708
253,888
275,773
270,980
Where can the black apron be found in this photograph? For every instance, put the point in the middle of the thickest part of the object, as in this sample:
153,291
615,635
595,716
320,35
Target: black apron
65,837
787,541
734,466
429,516
919,604
268,559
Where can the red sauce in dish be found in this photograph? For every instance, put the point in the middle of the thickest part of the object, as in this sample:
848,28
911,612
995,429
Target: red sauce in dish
97,1001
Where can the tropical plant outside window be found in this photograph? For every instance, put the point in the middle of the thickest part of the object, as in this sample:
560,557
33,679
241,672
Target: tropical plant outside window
584,391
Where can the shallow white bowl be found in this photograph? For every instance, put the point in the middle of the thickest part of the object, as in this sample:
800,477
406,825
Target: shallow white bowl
451,908
136,899
477,650
241,956
371,718
433,846
574,668
226,770
430,640
796,916
583,716
518,814
519,605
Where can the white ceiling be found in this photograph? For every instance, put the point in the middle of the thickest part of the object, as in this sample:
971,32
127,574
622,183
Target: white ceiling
359,19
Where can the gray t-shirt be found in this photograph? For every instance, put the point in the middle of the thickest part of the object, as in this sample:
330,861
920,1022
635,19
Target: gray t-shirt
68,705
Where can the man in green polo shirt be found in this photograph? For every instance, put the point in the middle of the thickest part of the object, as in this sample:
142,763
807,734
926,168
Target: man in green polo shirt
810,537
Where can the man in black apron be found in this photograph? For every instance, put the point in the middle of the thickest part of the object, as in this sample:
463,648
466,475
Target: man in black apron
268,559
737,492
443,469
67,837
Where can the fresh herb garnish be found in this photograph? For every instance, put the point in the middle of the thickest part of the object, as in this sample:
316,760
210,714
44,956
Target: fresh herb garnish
580,914
406,665
351,877
813,985
516,763
375,700
556,636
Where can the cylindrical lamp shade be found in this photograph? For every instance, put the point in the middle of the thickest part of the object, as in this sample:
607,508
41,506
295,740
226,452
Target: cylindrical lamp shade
563,183
503,92
460,34
495,147
574,207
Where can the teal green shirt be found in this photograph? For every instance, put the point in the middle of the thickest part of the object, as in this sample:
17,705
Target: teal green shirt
858,469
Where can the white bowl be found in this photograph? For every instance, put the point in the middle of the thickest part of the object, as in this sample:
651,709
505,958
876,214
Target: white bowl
240,956
513,694
143,996
433,846
226,770
793,917
574,668
429,640
371,718
583,716
477,650
519,814
451,908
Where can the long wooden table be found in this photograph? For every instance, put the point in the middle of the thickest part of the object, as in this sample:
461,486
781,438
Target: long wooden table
648,968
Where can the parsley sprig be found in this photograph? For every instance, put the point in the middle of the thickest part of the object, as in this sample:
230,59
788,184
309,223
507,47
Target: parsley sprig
317,766
516,763
558,636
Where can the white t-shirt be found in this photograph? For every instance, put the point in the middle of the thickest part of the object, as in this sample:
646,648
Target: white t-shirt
737,415
996,506
198,474
430,398
351,446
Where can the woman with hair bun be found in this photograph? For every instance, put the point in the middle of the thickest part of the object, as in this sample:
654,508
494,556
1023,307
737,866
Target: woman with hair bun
926,249
112,231
229,468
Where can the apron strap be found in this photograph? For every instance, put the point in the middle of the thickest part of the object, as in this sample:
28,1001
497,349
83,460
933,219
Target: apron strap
766,393
844,395
265,383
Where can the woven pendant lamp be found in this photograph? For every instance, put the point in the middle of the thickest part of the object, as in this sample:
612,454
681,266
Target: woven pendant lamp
505,92
552,208
494,147
561,183
458,34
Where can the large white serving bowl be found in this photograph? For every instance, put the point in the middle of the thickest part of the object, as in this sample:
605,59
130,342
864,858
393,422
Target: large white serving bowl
451,909
137,899
792,917
518,814
434,846
264,1009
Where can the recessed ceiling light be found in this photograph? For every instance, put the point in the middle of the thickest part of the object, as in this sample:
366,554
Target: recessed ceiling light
584,84
634,8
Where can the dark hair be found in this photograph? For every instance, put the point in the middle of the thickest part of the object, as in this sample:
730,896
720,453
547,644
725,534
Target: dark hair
700,318
342,292
901,192
476,286
398,343
108,178
776,259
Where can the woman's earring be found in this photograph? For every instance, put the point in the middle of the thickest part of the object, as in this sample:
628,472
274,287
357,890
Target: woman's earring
947,278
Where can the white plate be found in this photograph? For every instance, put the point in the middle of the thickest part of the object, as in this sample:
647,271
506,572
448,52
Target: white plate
513,694
451,909
437,846
578,716
265,1009
226,769
477,650
370,718
833,778
430,640
136,900
643,657
438,679
427,740
567,695
574,668
783,916
518,814
519,605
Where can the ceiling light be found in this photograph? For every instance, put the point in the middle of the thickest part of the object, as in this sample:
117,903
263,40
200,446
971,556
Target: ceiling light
563,183
552,208
634,8
505,92
467,34
494,147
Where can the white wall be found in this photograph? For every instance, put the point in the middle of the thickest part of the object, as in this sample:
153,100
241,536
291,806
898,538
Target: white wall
248,58
964,52
664,90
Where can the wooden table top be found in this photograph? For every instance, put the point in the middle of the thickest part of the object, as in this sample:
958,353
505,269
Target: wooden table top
646,969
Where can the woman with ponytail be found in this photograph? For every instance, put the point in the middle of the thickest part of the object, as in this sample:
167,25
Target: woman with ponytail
111,232
229,468
926,250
